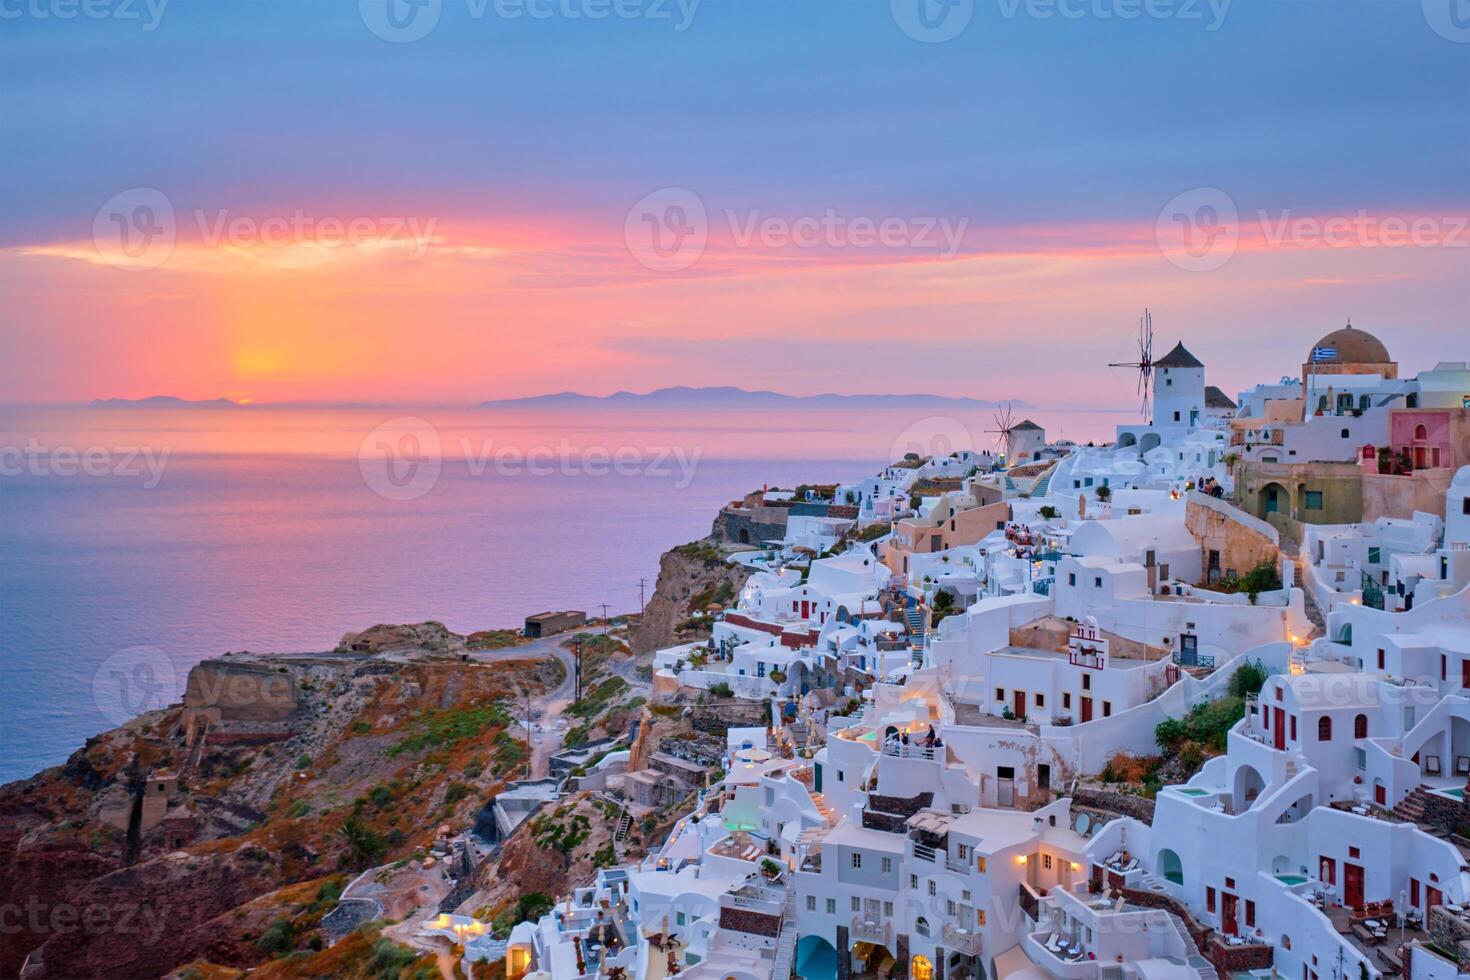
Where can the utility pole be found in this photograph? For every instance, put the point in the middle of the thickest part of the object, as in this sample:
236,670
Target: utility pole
577,673
530,738
640,595
604,613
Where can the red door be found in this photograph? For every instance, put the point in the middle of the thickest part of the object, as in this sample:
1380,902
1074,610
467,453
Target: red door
1279,729
1019,705
1227,913
806,609
1432,897
1380,794
1352,885
1087,709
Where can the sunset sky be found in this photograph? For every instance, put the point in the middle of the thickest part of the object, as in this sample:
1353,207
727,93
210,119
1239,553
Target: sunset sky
458,217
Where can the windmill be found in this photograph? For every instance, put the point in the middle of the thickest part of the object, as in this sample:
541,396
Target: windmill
1005,422
1145,363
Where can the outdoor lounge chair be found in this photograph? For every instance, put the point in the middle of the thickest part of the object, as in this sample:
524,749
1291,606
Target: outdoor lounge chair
1133,864
1431,766
1051,943
1462,765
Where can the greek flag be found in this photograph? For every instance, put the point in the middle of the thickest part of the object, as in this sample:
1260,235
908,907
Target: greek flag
1324,353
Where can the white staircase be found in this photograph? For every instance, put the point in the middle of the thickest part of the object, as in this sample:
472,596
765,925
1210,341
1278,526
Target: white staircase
1192,955
786,940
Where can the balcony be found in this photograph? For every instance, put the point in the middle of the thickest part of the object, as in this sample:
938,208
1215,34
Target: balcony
961,940
872,930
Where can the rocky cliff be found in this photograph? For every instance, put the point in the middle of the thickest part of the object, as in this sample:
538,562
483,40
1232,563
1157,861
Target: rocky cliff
690,578
174,837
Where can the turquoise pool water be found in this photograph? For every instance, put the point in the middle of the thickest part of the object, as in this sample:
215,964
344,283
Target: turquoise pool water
1291,879
1190,791
1458,792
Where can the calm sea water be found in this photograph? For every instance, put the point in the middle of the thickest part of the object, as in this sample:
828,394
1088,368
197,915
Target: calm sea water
136,542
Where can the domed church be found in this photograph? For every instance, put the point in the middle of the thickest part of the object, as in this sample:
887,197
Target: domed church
1348,351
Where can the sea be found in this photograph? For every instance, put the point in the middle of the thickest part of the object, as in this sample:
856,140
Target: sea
135,542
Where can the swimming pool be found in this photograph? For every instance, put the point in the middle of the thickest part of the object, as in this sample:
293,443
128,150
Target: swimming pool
1192,791
1457,793
1291,879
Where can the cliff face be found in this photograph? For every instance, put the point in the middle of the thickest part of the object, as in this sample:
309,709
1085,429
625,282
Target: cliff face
141,852
690,577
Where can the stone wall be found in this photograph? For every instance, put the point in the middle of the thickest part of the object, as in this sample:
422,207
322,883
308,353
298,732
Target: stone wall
1443,812
1243,541
1123,804
755,525
749,921
718,718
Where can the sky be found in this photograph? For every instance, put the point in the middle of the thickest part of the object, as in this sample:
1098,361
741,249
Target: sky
443,201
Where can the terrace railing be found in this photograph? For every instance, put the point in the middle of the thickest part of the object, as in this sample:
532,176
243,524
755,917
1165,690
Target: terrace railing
1372,592
967,941
1193,658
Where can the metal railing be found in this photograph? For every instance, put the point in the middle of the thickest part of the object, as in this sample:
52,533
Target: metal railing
1196,659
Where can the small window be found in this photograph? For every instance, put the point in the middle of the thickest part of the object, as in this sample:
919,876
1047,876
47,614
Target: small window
1209,899
1313,500
980,917
1375,556
913,882
963,852
1071,578
887,865
980,863
1040,700
888,909
857,904
1067,700
831,906
839,775
1097,582
1000,694
1046,862
1086,681
857,859
1346,434
1360,726
1354,852
1107,709
1324,729
933,890
811,903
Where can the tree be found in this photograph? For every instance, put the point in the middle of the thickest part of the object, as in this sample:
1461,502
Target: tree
1248,679
1105,493
364,845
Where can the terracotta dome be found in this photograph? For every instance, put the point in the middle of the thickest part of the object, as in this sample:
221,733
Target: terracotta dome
1350,346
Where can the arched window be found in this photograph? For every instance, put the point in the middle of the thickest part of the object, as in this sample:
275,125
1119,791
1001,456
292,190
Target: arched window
1324,729
1420,433
921,926
1360,726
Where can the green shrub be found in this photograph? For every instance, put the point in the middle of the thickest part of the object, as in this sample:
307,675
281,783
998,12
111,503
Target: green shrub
279,937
